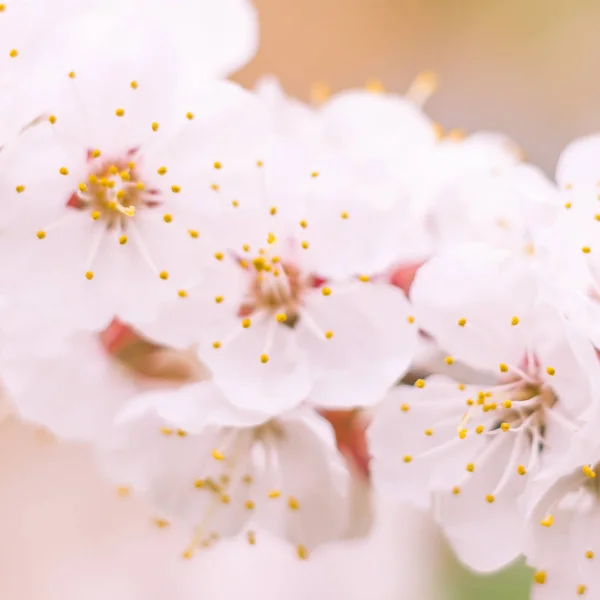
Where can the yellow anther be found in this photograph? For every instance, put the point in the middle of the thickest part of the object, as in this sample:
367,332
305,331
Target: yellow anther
456,490
124,491
588,472
507,404
161,523
166,430
303,224
514,321
72,75
407,458
364,278
181,433
470,467
93,179
182,293
428,432
568,205
193,233
259,163
41,234
293,503
2,7
281,317
589,554
462,322
470,402
125,176
274,494
247,479
214,187
217,455
249,505
162,170
586,249
189,116
63,171
235,203
246,323
547,521
134,85
479,429
505,427
251,537
405,407
164,275
264,358
550,370
188,553
314,174
581,589
328,334
410,319
420,383
155,126
216,345
199,483
271,239
224,498
539,577
89,275
13,53
175,189
167,218
375,86
503,367
521,470
219,255
304,245
319,92
461,387
326,291
462,433
344,215
96,215
120,112
52,119
82,188
301,552
449,360
489,498
113,169
120,194
219,299
20,189
123,240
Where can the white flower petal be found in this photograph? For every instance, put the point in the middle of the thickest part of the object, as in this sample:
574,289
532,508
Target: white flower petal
372,344
280,383
467,299
309,472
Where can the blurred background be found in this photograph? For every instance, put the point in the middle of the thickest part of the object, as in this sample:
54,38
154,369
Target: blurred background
525,67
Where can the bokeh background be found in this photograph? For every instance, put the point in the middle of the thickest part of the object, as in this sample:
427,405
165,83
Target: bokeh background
524,67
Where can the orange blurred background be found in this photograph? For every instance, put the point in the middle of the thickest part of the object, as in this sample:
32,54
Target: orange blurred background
526,67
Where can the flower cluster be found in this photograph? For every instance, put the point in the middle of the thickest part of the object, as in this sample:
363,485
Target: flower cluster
218,289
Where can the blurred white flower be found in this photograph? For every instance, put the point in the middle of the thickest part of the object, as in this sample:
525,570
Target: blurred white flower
43,41
478,447
224,471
